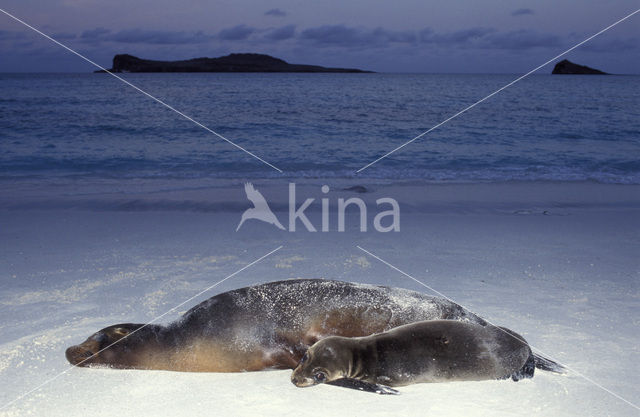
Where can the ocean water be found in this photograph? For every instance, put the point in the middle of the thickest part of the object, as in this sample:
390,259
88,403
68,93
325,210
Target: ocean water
76,127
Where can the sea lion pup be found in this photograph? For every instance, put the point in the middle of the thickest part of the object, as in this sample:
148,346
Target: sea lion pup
263,326
427,351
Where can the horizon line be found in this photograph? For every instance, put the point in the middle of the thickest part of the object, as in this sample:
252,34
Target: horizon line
319,73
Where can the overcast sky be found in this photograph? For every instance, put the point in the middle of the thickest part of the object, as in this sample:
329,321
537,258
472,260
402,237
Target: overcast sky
495,36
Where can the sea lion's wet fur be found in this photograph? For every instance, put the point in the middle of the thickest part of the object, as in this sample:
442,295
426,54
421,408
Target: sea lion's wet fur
264,326
428,351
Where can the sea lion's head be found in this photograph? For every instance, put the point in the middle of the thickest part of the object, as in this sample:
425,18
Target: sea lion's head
327,360
101,347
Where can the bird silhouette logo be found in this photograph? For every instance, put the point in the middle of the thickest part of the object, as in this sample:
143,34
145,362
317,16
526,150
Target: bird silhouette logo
260,210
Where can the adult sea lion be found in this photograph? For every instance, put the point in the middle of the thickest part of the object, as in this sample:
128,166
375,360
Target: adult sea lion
427,351
263,326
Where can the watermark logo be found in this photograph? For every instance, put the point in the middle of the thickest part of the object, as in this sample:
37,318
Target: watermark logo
260,210
386,219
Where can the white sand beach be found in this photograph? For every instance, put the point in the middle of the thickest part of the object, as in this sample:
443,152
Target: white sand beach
556,262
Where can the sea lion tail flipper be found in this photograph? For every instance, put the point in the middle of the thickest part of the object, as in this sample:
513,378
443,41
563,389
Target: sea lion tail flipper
546,364
363,386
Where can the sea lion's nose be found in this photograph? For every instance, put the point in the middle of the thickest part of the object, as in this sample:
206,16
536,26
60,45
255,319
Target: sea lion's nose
300,381
76,355
297,380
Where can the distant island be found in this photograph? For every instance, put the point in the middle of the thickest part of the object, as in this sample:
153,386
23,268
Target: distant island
567,67
229,63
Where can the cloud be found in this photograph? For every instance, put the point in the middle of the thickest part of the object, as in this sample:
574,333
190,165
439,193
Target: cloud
158,37
490,38
282,33
460,38
612,45
521,12
150,37
479,38
328,35
349,38
94,34
10,35
343,36
522,39
64,36
236,33
395,36
275,12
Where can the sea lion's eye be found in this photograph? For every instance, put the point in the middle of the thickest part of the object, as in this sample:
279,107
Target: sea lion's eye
319,377
304,358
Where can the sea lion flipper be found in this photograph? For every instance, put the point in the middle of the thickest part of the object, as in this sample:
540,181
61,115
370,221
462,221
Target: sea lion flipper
547,364
364,386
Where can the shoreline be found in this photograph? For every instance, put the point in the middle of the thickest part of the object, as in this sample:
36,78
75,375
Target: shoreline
230,197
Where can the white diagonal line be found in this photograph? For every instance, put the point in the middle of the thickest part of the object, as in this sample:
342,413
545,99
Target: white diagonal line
533,347
497,91
140,328
141,90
